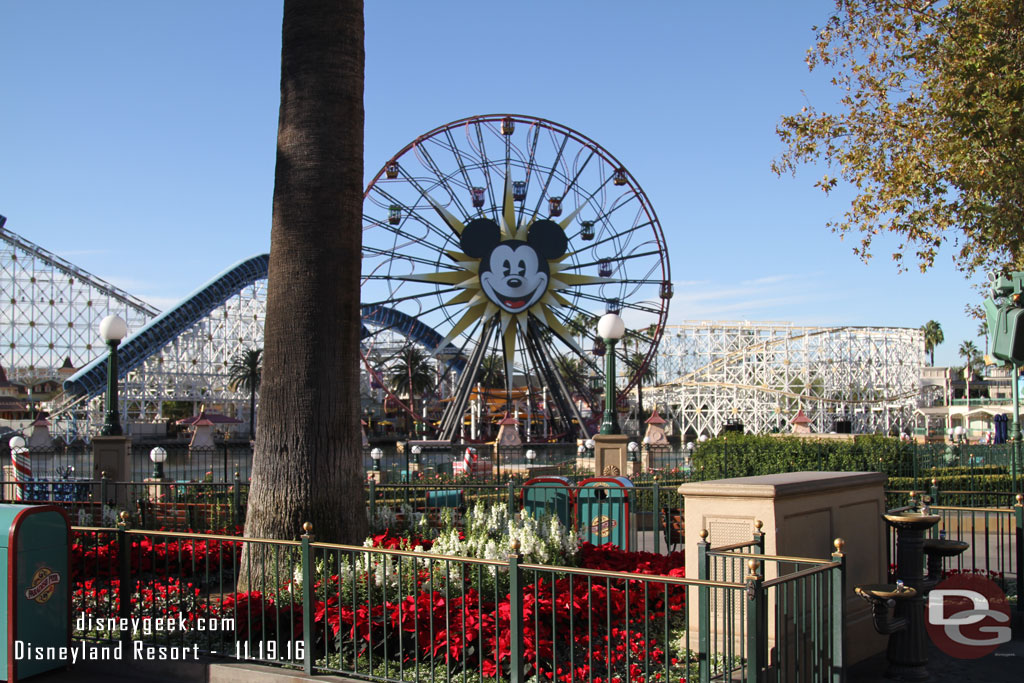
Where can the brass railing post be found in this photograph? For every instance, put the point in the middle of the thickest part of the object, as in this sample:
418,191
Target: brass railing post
757,622
657,517
703,611
236,501
124,575
758,537
516,674
838,613
1018,510
372,493
307,599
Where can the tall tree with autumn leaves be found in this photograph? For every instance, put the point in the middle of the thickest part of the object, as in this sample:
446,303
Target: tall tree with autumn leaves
928,129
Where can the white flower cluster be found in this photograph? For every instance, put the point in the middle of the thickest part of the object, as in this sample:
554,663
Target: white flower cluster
490,531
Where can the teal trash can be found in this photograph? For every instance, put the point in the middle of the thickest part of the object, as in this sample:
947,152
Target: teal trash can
35,589
602,509
548,496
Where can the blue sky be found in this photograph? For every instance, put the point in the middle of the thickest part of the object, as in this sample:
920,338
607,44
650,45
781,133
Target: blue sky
137,139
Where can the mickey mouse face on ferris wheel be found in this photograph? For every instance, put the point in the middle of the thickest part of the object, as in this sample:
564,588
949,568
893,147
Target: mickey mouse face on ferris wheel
514,274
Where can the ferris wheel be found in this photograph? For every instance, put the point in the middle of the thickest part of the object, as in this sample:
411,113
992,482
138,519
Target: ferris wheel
509,236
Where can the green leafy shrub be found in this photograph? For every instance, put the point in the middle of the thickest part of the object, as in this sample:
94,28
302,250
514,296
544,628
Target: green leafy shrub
745,455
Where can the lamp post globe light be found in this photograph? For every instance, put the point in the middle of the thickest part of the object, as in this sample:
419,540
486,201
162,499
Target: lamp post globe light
531,455
376,454
416,450
112,330
589,445
633,447
16,443
158,455
611,329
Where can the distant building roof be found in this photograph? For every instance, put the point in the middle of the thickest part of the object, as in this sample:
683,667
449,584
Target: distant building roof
655,418
9,404
801,418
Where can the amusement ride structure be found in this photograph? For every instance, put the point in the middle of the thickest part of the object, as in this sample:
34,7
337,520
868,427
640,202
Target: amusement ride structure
762,374
510,236
491,246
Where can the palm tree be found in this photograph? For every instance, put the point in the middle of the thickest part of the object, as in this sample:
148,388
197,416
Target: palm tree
573,372
932,338
643,373
983,332
969,352
308,463
491,373
972,357
584,325
244,373
411,374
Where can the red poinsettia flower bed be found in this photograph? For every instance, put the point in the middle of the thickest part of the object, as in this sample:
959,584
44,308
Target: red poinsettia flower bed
563,619
573,626
96,555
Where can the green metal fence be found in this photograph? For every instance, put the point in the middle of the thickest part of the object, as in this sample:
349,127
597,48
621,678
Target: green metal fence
797,603
402,615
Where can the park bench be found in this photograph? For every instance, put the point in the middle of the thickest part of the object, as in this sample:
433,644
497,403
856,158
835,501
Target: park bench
674,527
181,516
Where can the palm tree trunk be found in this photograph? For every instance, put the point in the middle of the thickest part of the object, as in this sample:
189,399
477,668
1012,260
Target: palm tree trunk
307,464
252,413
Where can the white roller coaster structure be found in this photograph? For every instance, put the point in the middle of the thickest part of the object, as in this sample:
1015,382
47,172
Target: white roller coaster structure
758,373
762,373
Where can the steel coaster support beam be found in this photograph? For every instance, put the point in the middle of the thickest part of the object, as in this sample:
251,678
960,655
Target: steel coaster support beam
453,415
563,399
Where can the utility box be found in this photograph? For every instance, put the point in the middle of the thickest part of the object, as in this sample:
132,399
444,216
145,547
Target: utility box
35,587
549,496
602,508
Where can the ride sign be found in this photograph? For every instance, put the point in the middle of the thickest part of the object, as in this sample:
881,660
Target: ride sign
968,616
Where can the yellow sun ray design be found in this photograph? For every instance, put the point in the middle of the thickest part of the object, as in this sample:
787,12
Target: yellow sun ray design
478,302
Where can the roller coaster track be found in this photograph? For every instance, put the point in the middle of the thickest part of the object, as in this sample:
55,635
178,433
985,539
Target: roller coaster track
689,380
90,381
74,271
157,333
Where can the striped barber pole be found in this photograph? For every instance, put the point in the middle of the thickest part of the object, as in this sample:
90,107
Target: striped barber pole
22,470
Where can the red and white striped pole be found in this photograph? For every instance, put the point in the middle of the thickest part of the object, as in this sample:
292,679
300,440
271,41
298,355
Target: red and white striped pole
22,466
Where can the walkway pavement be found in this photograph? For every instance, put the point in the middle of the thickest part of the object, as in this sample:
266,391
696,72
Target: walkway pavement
1003,666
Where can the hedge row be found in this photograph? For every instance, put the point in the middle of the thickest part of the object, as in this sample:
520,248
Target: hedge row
955,482
744,455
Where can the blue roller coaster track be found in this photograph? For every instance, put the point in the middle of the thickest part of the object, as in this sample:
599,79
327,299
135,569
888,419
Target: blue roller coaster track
157,333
